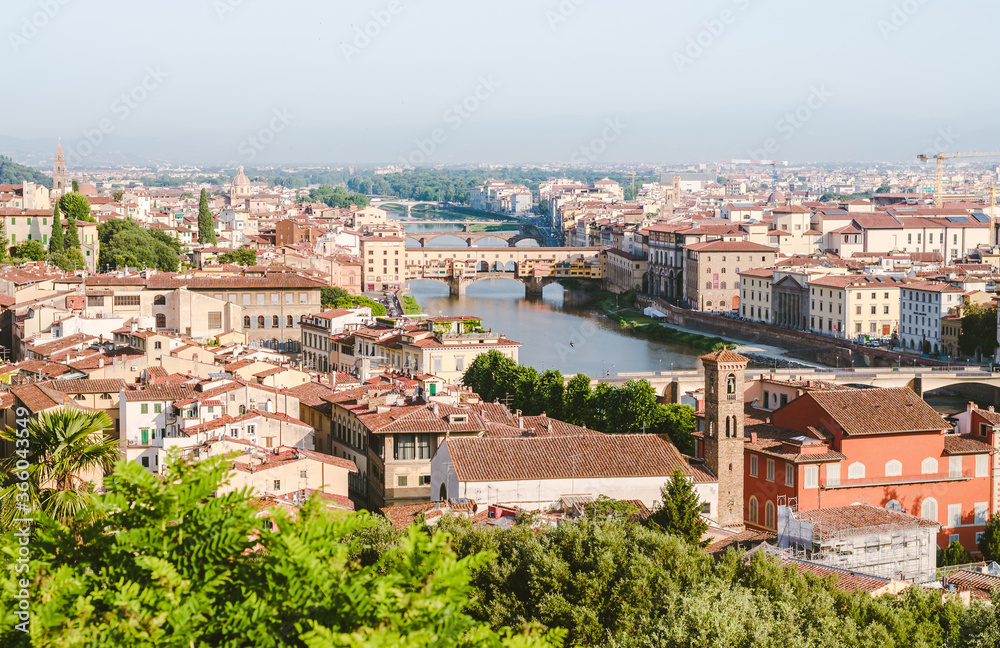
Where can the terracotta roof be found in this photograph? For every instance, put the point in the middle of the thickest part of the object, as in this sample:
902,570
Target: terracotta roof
730,246
955,444
878,411
744,537
403,516
725,356
858,519
37,397
565,457
847,580
159,392
87,386
981,585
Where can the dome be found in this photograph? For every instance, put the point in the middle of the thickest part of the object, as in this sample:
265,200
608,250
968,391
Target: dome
241,179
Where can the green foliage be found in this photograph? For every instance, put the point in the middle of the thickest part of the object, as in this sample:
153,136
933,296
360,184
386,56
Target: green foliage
69,260
604,508
337,297
884,189
989,544
76,186
206,223
629,408
337,197
242,256
30,250
837,197
71,238
184,568
13,173
56,240
124,242
4,240
76,207
58,446
979,330
679,513
118,195
186,195
955,554
411,306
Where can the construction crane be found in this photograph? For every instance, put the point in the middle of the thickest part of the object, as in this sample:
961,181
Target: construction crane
774,172
939,174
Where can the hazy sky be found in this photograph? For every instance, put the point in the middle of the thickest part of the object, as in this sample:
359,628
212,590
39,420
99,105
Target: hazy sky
258,81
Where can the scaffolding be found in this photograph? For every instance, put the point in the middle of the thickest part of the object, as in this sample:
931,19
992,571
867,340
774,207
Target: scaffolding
903,552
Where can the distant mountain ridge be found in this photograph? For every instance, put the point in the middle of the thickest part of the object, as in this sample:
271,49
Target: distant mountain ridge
13,173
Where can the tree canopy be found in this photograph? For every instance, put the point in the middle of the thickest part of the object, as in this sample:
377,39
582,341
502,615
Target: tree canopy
13,173
624,409
56,241
30,250
679,512
125,243
337,197
241,256
76,206
337,297
185,568
206,223
979,330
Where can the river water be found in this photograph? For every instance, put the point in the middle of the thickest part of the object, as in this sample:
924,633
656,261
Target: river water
547,327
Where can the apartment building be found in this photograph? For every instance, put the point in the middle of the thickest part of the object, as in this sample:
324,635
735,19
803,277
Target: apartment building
384,262
853,306
712,272
499,197
924,305
318,328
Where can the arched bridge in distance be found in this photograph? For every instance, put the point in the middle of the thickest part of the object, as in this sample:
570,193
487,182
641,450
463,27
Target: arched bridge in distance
673,386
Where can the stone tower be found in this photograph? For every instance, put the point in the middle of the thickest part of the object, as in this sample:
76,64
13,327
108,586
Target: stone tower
724,373
59,172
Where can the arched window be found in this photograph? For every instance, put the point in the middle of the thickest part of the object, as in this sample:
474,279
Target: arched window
246,321
722,285
708,284
929,466
856,470
708,304
752,514
736,428
769,521
729,430
444,493
160,300
731,385
893,468
243,409
274,321
894,505
290,323
929,509
260,321
161,320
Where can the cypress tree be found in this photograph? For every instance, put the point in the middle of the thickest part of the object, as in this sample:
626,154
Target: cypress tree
56,241
206,224
76,187
72,238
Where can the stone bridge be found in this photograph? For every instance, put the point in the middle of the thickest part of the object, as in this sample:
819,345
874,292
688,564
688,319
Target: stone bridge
673,386
532,266
408,205
471,238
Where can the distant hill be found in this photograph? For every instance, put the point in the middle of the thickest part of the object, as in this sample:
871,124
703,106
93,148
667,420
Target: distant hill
13,173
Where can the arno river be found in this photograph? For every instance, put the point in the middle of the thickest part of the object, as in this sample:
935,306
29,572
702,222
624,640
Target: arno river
547,327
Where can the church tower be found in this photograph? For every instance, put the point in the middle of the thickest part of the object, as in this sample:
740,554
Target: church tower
724,374
240,190
59,172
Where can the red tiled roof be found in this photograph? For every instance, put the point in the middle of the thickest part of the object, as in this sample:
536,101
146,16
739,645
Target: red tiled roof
861,412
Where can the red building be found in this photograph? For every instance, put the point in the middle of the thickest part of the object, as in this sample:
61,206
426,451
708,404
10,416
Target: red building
884,447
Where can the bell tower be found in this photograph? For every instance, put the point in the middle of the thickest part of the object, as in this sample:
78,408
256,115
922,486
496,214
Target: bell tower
724,374
59,171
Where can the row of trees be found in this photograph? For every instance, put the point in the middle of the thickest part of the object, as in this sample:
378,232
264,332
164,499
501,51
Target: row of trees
336,197
629,408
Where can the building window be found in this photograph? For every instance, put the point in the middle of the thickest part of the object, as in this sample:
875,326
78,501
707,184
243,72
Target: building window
144,408
274,321
157,408
246,321
289,322
160,300
753,508
955,467
260,321
789,475
401,480
929,466
954,515
161,322
215,320
126,300
769,521
929,509
770,470
979,511
424,480
277,484
753,465
982,465
893,468
811,476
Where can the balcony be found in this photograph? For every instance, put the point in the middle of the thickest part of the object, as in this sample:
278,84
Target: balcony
898,480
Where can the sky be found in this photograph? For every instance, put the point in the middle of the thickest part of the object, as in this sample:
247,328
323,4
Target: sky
259,82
